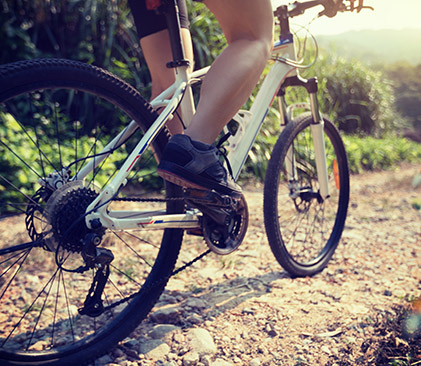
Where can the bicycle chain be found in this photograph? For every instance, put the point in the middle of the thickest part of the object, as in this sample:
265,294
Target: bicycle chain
157,282
163,279
133,199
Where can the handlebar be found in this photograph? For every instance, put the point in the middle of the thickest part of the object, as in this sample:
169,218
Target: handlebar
331,7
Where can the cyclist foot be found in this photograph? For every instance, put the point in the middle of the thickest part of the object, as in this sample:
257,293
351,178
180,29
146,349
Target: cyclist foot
194,164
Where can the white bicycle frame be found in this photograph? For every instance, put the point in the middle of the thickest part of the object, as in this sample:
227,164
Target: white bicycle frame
240,144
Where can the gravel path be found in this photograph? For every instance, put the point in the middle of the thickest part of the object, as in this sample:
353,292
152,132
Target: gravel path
243,309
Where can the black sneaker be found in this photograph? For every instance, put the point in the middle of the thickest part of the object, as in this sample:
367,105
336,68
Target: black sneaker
194,164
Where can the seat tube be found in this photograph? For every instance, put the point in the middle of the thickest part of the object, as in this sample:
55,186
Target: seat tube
317,130
180,63
170,10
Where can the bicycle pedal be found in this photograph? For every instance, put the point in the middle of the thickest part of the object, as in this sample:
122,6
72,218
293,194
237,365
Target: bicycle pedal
210,197
195,232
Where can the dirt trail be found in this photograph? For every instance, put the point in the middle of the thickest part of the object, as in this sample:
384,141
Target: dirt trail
257,315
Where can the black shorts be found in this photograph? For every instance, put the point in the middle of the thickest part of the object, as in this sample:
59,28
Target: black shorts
148,21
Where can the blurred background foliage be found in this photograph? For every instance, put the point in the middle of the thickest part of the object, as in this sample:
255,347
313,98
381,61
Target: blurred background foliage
376,105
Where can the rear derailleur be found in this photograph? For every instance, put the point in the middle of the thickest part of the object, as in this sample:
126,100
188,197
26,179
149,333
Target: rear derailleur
224,221
100,259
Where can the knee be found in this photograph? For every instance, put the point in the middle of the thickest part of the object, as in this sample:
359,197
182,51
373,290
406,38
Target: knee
267,45
260,42
263,47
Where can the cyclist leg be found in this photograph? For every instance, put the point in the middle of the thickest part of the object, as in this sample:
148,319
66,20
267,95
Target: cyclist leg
157,58
248,28
154,40
189,160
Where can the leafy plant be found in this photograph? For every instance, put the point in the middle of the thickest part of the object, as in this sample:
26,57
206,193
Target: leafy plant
406,83
369,153
358,97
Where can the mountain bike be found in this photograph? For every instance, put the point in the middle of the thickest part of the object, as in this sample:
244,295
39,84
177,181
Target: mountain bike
86,249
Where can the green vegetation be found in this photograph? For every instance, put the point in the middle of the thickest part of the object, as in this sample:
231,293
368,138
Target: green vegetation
357,97
371,106
406,81
369,153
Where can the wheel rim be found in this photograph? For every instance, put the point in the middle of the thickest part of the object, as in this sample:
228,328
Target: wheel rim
308,223
44,131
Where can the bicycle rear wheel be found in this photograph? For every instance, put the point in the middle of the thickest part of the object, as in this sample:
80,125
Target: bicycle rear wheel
55,117
303,229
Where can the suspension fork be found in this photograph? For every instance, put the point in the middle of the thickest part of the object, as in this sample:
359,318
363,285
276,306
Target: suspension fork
317,130
285,117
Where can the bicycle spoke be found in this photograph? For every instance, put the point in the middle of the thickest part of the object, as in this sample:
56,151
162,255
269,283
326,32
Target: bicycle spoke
36,144
69,315
129,233
47,294
131,249
52,132
23,257
57,135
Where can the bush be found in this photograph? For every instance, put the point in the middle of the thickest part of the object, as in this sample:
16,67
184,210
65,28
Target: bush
359,98
369,153
406,82
99,32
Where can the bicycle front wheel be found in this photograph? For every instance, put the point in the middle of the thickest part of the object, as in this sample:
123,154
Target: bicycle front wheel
302,228
55,118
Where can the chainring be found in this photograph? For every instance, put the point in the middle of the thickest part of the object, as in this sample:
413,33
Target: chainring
225,238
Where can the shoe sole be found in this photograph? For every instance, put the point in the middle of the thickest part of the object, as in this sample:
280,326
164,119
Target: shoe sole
173,178
179,176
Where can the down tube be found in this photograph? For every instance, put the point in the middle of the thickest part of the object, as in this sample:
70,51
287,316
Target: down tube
263,101
112,187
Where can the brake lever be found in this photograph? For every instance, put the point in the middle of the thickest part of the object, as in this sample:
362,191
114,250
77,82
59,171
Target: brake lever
365,7
360,6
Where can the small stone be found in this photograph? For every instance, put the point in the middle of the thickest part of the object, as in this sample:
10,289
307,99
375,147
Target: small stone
197,304
195,319
104,360
131,343
325,349
221,362
172,356
39,346
387,293
170,363
190,359
161,330
166,315
179,338
200,341
255,362
350,339
155,349
270,330
131,353
206,360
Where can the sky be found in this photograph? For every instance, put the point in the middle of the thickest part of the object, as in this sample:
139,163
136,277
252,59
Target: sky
387,14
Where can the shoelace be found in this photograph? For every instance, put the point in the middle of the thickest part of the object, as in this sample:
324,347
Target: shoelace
222,151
